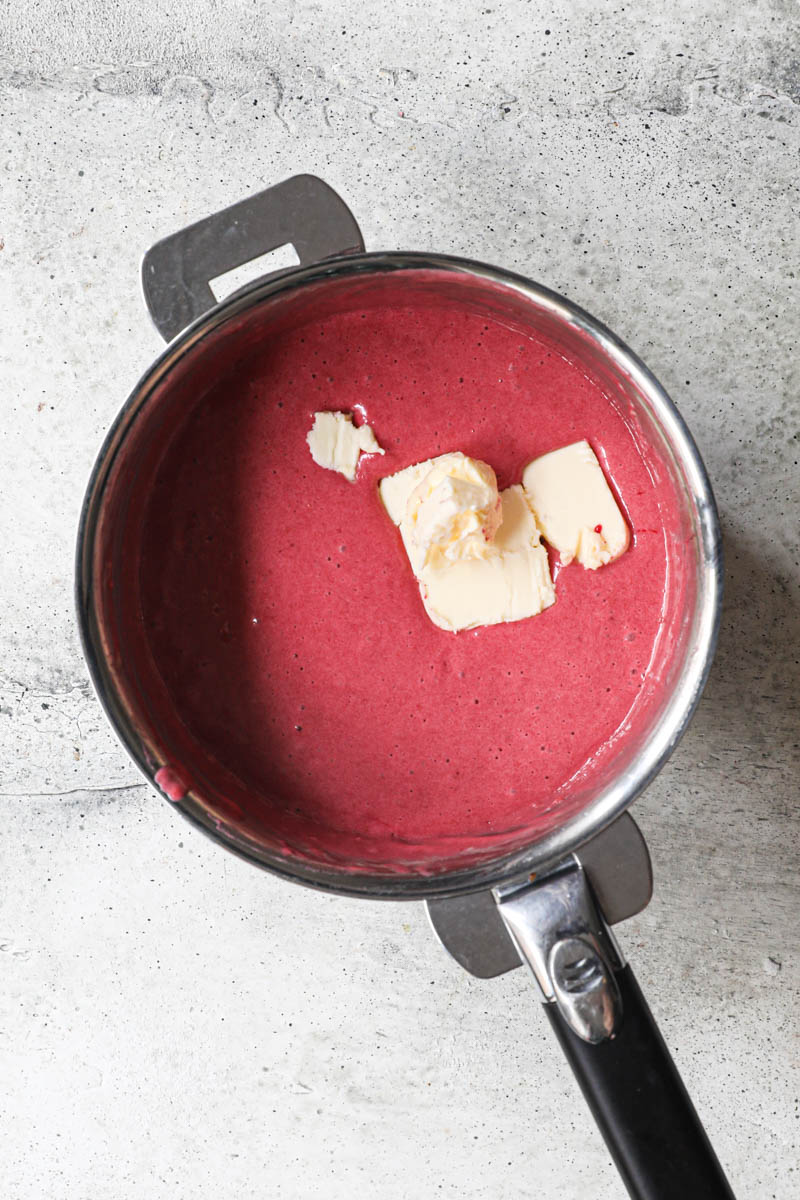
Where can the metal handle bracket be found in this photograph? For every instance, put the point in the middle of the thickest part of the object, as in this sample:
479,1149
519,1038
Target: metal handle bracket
559,932
617,865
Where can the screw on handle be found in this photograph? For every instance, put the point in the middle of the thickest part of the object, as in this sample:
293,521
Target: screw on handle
585,988
303,211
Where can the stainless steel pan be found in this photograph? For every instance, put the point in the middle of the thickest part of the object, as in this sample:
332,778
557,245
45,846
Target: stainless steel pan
551,901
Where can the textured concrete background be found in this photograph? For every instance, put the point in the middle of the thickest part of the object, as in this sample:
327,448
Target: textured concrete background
172,1022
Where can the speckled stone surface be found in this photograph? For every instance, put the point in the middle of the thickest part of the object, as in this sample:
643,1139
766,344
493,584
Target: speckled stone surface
172,1022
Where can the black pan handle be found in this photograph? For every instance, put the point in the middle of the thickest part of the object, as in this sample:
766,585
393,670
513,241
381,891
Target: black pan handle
641,1105
303,212
608,1034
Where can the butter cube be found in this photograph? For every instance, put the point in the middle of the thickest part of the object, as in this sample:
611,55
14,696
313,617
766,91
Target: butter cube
470,580
574,507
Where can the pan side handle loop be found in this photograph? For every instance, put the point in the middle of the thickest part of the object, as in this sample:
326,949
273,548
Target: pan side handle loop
302,211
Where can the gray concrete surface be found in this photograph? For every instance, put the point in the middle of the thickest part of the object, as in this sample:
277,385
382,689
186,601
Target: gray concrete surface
172,1022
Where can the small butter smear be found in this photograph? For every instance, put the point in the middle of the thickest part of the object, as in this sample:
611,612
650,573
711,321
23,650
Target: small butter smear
337,444
475,553
574,507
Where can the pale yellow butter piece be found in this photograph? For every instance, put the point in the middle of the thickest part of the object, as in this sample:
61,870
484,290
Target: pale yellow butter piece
467,578
336,444
396,489
574,507
452,512
510,583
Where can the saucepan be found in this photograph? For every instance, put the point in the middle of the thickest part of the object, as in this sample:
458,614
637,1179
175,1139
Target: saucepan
545,893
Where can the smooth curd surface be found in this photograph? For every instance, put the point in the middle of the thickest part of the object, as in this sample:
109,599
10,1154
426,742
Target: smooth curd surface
288,630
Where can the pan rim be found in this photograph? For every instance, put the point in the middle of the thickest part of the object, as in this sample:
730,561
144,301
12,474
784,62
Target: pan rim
612,800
